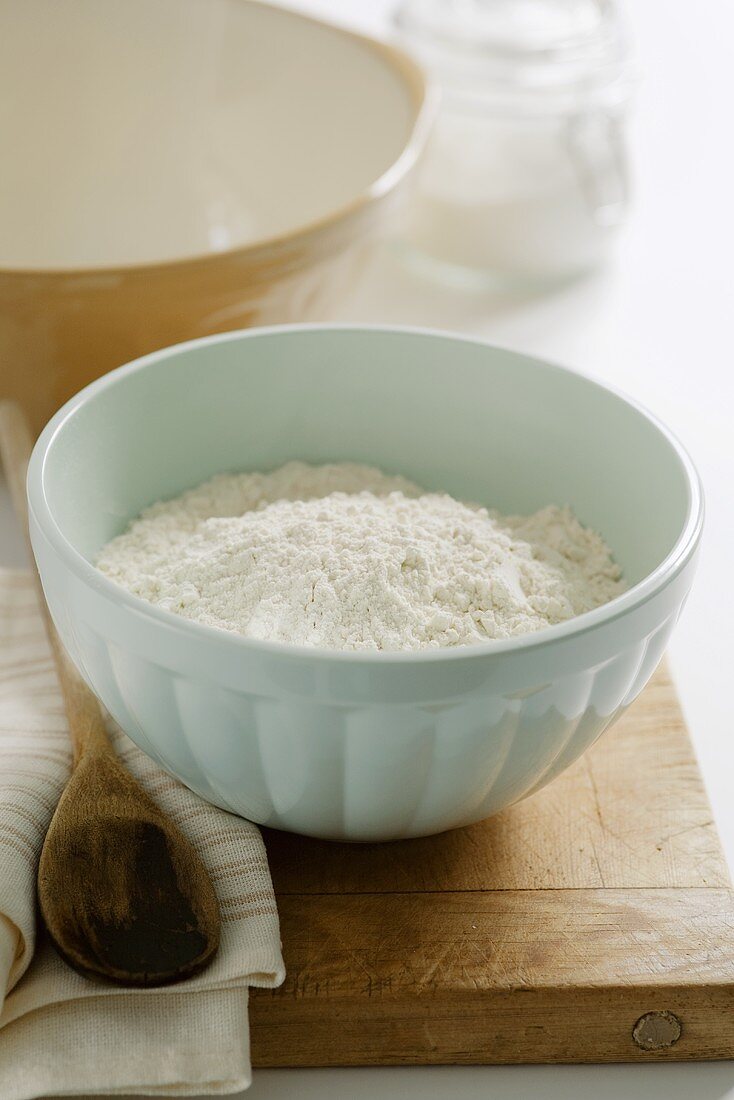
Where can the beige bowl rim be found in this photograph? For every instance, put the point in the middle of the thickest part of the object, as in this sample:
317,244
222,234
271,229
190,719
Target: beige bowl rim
424,97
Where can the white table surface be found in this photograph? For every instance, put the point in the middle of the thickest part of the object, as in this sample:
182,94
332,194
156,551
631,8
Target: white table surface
657,323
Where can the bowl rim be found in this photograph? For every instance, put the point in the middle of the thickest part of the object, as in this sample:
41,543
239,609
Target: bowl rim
640,593
422,93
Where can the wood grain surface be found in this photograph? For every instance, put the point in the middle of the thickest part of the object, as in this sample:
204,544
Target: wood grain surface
599,907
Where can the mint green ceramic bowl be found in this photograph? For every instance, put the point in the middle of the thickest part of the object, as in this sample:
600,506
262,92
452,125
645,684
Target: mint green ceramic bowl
356,745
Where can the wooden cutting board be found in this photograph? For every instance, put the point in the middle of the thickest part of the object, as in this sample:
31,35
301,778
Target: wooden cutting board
592,923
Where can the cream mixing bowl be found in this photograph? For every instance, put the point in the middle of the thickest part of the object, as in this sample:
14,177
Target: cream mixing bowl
174,168
362,745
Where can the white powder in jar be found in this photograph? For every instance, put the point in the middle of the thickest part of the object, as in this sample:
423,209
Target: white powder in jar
345,557
508,200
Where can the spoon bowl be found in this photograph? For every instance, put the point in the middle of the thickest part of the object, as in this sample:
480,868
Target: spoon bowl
123,894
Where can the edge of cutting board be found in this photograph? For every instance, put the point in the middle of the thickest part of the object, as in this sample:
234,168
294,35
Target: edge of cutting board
542,935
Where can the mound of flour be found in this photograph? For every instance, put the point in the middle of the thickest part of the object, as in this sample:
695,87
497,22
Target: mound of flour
344,557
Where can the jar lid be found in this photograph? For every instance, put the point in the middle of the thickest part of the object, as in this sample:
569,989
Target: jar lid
529,56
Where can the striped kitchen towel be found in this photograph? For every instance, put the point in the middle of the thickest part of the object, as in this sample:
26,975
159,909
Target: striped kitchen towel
61,1034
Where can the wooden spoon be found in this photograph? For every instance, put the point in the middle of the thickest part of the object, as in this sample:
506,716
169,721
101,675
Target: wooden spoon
123,893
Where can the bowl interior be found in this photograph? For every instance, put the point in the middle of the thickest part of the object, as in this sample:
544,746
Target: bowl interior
151,130
481,423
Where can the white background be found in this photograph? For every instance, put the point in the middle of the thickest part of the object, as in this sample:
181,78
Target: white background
657,323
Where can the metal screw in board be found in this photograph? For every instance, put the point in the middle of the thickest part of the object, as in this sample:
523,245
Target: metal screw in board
657,1030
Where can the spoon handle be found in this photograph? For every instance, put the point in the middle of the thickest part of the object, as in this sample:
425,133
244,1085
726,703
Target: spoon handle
86,723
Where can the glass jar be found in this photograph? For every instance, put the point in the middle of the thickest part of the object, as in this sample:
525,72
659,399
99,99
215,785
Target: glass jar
525,177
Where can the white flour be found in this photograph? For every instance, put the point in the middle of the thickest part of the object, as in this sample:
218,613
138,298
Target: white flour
344,557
